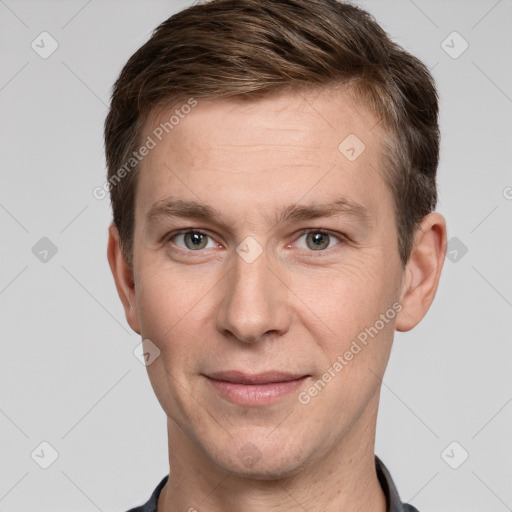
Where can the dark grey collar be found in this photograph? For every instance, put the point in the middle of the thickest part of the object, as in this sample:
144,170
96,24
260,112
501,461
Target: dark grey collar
394,504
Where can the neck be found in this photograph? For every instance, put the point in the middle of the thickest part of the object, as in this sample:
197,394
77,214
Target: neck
342,478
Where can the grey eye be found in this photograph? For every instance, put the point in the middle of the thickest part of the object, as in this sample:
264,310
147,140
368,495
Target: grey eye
193,240
317,240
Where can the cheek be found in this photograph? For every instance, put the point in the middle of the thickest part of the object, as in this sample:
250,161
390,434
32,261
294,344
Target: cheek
163,303
167,293
158,303
173,305
345,301
165,309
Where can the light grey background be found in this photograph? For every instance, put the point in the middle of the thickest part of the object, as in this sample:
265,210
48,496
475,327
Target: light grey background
68,375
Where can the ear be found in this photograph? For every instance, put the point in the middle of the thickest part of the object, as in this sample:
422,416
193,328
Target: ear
422,272
123,277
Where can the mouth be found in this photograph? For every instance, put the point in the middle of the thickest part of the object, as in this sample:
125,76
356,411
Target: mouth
254,389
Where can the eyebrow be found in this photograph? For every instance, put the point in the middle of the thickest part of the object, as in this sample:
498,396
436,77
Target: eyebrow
169,208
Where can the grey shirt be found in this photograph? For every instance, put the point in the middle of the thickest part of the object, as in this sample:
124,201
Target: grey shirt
392,498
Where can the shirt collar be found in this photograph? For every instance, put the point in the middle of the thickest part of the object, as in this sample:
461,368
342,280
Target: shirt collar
394,503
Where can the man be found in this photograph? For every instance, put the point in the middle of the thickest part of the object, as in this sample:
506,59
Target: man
272,170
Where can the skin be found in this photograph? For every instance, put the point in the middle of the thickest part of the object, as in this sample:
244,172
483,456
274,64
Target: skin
294,308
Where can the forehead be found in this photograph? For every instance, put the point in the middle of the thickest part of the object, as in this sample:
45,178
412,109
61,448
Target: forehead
318,119
315,145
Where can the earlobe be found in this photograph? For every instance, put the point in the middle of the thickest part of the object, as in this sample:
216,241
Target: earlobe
123,277
423,271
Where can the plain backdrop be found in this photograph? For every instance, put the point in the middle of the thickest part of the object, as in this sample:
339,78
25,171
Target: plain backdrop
68,375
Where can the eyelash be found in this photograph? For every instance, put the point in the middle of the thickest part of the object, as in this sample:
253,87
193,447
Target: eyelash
342,239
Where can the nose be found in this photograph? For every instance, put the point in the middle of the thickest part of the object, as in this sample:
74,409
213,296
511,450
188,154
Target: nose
254,302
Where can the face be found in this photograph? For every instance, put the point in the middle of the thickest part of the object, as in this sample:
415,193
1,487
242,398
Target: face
265,252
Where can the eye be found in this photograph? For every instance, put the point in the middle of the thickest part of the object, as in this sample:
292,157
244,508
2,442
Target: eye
192,240
313,239
318,240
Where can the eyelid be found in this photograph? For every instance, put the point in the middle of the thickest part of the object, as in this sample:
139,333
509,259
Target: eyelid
335,234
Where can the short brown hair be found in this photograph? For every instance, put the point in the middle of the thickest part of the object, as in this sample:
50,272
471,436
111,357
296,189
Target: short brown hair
248,49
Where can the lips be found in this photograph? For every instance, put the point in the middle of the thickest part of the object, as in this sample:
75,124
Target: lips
270,377
255,390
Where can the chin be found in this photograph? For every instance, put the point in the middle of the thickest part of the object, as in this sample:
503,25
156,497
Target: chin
264,472
266,464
